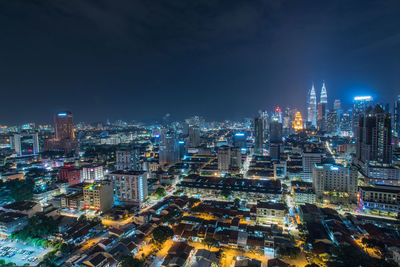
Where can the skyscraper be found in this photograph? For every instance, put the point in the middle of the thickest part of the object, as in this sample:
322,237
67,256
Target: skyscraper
374,137
64,135
324,95
360,105
64,126
312,108
194,136
322,116
297,124
258,136
337,104
396,125
168,152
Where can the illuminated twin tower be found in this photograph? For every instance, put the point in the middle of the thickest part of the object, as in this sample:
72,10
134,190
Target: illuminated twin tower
312,110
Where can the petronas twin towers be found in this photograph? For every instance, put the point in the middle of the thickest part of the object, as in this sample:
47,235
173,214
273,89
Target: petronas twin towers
312,111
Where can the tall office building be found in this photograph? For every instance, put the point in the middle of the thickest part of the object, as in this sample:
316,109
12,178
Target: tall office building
321,116
130,187
239,140
236,158
26,144
374,137
345,124
64,136
396,119
309,159
275,139
332,122
258,136
360,105
128,159
312,108
277,116
275,132
335,183
337,104
194,136
64,126
224,158
324,95
168,152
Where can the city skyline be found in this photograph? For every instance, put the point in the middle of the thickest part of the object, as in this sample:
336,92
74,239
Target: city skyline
226,61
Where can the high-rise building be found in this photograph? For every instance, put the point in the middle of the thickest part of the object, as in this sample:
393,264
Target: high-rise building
332,122
360,105
168,153
194,136
345,124
277,116
236,158
128,159
297,124
275,132
64,136
337,104
26,144
335,183
64,126
98,196
312,108
321,116
258,136
396,119
324,95
224,158
309,159
239,140
92,173
374,137
130,187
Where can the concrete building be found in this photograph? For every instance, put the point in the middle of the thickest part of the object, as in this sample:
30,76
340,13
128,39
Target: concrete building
98,196
26,144
270,213
130,187
309,160
224,158
334,183
374,137
128,159
379,200
92,173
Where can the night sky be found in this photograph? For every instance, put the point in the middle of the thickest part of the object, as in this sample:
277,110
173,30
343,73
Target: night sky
138,60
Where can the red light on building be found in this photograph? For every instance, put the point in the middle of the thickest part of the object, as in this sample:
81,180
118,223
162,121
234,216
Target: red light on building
87,207
97,208
278,109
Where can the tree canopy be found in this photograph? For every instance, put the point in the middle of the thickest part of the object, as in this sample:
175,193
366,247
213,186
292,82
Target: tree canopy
162,234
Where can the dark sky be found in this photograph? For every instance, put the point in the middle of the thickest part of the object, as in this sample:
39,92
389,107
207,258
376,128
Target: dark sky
139,60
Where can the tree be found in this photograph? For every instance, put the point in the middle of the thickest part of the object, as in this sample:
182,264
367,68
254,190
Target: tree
160,192
226,193
292,252
162,234
348,256
210,242
20,190
129,261
39,226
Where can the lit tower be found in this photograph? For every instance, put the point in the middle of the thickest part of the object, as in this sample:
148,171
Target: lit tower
324,96
297,124
312,108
